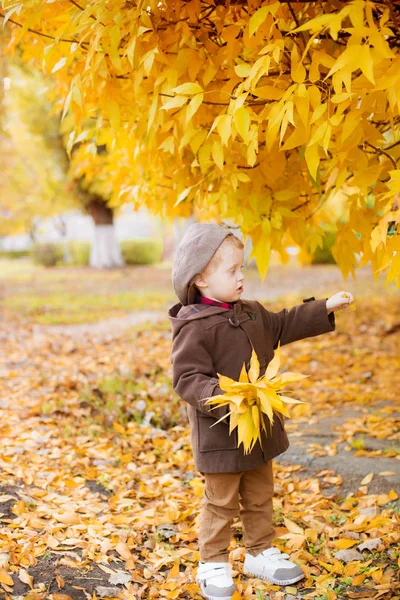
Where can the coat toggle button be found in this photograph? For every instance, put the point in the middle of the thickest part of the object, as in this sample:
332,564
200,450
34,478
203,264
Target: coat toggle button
234,321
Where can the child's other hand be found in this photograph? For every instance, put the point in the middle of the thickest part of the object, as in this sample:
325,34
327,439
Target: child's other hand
339,301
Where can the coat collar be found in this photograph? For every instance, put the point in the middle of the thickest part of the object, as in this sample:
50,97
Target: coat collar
180,315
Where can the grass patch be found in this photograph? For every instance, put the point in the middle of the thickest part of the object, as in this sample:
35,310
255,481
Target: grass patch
19,269
358,443
75,295
64,308
118,399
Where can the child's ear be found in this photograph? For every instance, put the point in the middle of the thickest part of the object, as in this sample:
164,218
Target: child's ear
200,281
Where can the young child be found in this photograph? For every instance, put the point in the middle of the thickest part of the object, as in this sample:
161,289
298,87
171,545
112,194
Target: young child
212,332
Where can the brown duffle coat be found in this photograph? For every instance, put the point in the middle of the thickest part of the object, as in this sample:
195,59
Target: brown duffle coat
207,340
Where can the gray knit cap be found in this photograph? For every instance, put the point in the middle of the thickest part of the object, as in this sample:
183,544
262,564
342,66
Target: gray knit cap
193,254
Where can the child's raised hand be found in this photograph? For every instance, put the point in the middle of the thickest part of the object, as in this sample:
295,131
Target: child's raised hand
339,301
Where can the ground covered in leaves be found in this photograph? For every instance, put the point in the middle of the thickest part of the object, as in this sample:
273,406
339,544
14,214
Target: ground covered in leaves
99,497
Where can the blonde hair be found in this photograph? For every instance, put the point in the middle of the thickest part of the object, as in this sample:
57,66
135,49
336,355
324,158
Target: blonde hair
215,260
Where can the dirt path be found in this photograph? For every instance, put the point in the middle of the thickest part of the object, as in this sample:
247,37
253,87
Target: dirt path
106,329
319,446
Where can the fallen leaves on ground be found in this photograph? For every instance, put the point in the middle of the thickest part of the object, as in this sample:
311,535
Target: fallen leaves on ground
97,498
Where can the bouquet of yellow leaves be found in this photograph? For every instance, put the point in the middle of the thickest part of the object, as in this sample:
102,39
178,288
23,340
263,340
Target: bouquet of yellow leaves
252,396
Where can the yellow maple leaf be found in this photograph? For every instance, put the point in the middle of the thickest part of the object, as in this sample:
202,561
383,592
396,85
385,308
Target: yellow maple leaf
253,396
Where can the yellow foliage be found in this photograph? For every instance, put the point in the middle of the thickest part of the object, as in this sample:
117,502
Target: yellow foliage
33,164
189,97
253,396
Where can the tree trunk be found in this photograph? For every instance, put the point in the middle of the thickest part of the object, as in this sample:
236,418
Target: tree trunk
105,252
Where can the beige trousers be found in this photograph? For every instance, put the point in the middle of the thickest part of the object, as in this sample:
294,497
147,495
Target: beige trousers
247,494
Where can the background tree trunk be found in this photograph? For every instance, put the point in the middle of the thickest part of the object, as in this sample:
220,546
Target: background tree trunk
105,252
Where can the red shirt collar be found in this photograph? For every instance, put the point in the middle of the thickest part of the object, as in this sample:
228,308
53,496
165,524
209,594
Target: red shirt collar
204,300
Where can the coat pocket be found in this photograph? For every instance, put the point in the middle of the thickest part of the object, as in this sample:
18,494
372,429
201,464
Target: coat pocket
216,437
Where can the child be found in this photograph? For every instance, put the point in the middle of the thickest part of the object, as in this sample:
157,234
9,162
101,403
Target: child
212,333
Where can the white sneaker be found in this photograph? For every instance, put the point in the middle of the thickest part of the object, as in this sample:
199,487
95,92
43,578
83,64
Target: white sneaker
215,580
272,565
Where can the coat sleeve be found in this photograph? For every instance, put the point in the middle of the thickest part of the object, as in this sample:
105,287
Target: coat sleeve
193,373
302,321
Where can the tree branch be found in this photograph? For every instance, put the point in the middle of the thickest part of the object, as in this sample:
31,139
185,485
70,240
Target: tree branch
300,205
257,164
255,103
392,145
82,9
380,151
205,102
44,34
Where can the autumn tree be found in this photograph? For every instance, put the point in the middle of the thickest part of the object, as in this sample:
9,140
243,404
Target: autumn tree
37,182
33,185
93,191
281,116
